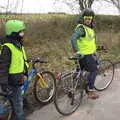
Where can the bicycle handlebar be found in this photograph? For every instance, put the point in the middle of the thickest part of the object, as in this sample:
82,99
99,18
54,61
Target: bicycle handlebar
101,48
37,60
77,57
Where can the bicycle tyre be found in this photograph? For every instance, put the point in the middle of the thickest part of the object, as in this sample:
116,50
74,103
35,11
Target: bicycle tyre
44,95
10,116
105,75
62,96
7,107
7,116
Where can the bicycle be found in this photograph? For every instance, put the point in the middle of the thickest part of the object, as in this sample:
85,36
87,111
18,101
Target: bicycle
72,84
43,85
106,71
6,112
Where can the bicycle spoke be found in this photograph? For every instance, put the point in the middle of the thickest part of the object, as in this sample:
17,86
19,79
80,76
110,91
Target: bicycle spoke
105,76
67,96
44,89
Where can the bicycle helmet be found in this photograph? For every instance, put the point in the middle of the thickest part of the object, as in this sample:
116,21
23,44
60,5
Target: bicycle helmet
88,12
12,26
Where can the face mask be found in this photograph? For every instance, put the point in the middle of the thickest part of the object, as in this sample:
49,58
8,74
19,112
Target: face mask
21,34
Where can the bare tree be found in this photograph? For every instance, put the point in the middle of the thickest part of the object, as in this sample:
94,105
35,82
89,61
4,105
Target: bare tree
7,7
82,3
116,3
85,4
16,5
22,6
12,6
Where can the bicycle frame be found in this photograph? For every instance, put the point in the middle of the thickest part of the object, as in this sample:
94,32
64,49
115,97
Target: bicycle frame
81,74
31,75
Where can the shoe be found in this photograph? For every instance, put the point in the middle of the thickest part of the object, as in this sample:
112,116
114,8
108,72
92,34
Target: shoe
92,95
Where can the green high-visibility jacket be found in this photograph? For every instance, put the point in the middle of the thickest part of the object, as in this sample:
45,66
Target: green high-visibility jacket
87,45
18,58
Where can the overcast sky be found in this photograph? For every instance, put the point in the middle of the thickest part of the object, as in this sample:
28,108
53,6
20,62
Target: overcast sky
45,6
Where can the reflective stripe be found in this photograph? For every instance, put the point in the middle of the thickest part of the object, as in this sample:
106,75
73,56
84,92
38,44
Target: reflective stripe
25,57
0,48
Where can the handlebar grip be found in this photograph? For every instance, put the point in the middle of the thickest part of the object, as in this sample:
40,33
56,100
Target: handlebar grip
78,57
36,60
28,61
102,47
40,61
44,62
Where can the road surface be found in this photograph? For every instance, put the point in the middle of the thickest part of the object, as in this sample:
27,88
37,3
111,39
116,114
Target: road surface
107,107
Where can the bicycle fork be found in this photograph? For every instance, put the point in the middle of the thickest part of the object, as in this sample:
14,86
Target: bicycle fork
85,81
43,84
75,83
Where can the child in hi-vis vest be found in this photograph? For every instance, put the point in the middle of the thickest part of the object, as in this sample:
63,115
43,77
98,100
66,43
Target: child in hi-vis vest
84,43
12,65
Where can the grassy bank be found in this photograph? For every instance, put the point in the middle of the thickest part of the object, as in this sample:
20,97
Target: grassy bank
48,35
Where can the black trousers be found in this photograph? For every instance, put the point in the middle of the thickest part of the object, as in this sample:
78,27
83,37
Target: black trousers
88,63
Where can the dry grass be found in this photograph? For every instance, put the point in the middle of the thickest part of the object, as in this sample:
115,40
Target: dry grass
48,35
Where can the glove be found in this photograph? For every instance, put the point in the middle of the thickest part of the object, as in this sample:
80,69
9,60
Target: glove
79,54
7,89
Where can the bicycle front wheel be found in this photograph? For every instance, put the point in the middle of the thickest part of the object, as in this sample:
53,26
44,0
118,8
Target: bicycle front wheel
67,96
44,87
105,75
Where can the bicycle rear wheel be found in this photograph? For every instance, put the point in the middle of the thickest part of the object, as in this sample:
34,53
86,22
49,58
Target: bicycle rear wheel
44,87
9,115
67,96
105,75
6,112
